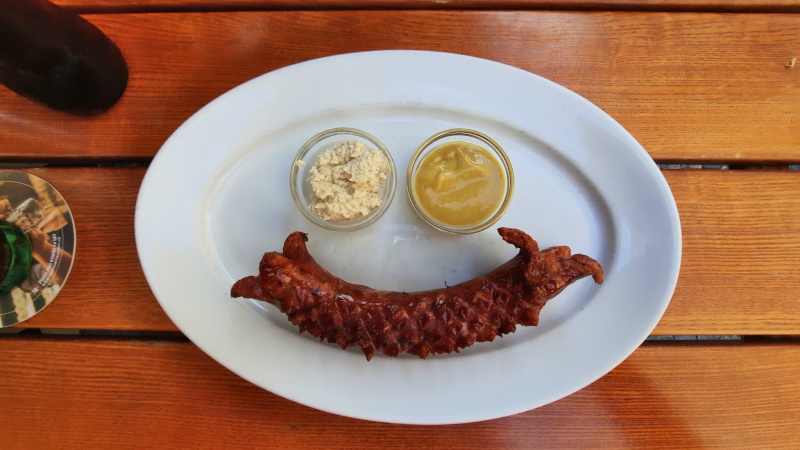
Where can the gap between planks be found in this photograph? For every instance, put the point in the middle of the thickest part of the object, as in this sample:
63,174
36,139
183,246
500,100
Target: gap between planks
211,6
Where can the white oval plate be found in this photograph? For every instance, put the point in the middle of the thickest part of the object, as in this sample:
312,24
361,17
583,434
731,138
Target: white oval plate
216,197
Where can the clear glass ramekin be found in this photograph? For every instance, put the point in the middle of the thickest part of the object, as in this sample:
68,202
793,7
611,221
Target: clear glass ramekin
308,154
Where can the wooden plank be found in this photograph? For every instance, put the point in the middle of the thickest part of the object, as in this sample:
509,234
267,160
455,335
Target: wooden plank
710,87
741,233
87,393
606,5
741,251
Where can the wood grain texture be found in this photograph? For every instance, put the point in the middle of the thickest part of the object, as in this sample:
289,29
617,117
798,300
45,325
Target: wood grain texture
710,87
637,5
86,393
741,250
741,253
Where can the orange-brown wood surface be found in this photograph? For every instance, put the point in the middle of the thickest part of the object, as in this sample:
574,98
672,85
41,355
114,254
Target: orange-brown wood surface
103,393
741,253
741,235
690,83
688,86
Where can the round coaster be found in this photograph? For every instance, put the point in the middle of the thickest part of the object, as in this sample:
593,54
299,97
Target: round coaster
37,245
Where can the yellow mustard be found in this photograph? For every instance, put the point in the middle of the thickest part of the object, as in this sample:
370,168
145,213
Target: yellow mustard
459,184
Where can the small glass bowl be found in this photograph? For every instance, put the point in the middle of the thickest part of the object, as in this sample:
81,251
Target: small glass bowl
308,154
472,137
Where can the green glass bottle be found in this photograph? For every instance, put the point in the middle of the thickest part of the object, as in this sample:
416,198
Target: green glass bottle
16,256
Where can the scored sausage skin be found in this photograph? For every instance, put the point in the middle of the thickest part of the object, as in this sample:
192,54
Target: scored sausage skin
420,323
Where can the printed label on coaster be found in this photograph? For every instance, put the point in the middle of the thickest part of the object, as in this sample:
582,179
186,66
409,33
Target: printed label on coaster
37,245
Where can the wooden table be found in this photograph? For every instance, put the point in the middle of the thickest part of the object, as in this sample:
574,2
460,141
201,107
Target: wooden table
702,84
